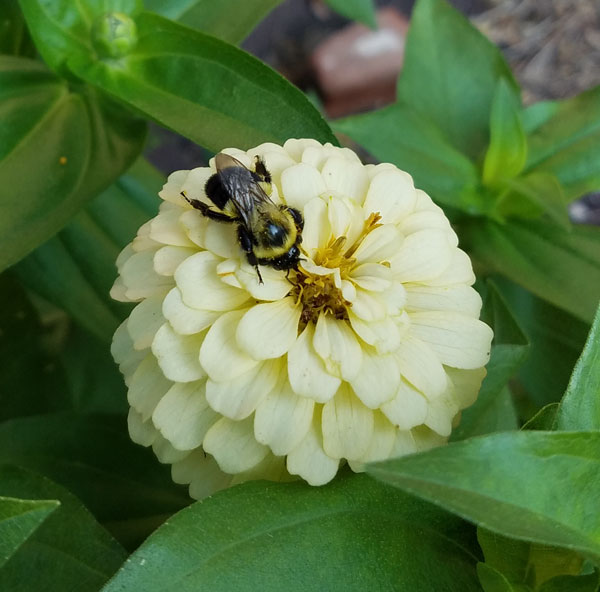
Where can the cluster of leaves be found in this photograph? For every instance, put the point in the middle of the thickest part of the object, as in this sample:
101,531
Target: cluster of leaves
76,91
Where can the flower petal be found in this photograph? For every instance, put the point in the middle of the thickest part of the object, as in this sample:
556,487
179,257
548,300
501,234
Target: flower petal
405,443
269,330
238,398
382,442
338,347
392,194
440,414
372,276
201,472
301,183
309,459
425,220
295,147
407,409
317,230
378,379
457,298
466,384
201,287
347,425
459,271
233,445
381,244
458,340
421,367
171,190
165,452
183,415
282,419
274,287
123,352
220,355
144,321
384,335
177,355
141,432
424,255
147,387
425,438
186,320
140,279
167,259
346,178
167,230
306,370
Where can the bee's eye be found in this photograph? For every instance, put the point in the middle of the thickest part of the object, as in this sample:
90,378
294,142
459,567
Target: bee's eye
275,234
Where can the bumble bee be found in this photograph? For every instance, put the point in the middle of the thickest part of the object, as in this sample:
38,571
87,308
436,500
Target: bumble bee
269,234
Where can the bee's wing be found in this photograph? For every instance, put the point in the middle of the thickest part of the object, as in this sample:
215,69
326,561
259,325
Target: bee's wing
241,185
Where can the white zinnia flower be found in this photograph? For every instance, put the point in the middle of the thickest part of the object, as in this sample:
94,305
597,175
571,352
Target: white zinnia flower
368,351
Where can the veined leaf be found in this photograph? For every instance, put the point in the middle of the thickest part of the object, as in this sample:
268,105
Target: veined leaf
215,18
558,266
58,148
580,407
352,534
450,74
68,551
362,11
19,518
535,486
507,152
203,88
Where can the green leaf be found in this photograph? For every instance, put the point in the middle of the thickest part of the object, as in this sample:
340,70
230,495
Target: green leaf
30,380
68,551
94,383
62,28
76,269
584,583
505,555
556,337
494,410
536,486
533,195
18,520
567,144
537,114
362,11
507,152
58,148
561,267
494,581
580,407
215,18
14,37
397,134
526,566
155,79
353,534
119,481
544,419
450,74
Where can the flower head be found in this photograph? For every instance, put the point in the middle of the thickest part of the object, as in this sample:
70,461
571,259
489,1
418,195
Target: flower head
368,350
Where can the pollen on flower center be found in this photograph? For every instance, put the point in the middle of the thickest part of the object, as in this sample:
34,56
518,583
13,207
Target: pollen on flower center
320,293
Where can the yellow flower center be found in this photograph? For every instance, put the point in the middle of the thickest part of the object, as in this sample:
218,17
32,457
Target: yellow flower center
318,293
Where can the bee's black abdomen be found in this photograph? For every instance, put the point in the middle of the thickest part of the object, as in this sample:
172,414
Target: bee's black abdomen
216,192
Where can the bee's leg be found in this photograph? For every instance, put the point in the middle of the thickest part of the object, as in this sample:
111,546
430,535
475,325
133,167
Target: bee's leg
207,211
246,243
